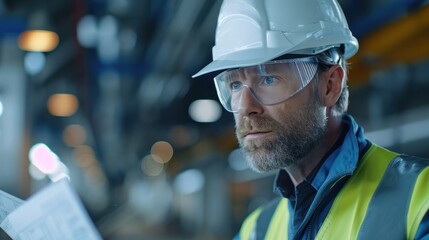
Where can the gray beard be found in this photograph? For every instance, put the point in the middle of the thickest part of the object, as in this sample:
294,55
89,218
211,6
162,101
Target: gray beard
293,141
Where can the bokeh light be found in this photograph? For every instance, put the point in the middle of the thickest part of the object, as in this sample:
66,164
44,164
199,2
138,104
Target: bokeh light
87,31
34,62
74,135
108,41
189,181
163,150
43,158
96,175
84,156
38,40
205,111
151,167
237,161
62,104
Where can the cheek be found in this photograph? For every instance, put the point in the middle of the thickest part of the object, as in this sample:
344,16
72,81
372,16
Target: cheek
283,111
294,104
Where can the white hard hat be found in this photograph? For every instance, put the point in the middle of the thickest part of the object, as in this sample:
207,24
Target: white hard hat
251,32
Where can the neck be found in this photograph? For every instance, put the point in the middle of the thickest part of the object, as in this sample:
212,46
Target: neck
306,165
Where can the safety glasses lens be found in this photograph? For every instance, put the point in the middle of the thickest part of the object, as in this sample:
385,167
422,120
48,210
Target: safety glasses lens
270,83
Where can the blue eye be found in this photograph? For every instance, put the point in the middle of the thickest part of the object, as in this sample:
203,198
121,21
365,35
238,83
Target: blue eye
235,86
269,80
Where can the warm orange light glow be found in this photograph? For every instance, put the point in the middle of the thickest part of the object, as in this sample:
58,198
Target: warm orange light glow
62,105
95,175
38,40
85,156
74,135
163,150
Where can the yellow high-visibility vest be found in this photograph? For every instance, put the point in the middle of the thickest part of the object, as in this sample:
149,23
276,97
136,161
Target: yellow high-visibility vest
386,198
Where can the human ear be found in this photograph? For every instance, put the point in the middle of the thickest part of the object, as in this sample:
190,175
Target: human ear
332,85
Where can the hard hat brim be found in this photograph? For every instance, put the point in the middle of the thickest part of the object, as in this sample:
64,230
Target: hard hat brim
255,56
245,58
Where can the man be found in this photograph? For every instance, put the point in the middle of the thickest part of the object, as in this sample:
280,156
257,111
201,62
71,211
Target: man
281,70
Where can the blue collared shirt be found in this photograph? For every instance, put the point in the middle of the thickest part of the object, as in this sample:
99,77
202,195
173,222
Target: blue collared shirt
311,200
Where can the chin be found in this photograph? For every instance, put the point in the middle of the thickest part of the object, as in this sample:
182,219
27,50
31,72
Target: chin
262,169
260,164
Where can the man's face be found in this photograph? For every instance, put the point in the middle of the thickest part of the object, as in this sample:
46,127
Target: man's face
279,136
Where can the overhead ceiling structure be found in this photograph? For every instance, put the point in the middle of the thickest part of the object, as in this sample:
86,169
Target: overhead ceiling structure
401,40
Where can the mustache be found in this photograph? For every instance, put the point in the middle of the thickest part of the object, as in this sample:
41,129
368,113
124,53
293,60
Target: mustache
253,124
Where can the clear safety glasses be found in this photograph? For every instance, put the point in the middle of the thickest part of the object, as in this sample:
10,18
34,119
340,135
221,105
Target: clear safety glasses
270,83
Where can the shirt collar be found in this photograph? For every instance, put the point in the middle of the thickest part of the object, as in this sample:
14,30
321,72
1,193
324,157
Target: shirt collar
341,161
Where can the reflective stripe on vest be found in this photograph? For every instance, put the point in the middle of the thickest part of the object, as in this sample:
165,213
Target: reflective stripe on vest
393,194
386,198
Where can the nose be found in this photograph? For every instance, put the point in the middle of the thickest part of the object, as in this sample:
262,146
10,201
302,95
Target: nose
247,103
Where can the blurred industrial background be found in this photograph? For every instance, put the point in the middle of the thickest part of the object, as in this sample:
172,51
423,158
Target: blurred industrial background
107,99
